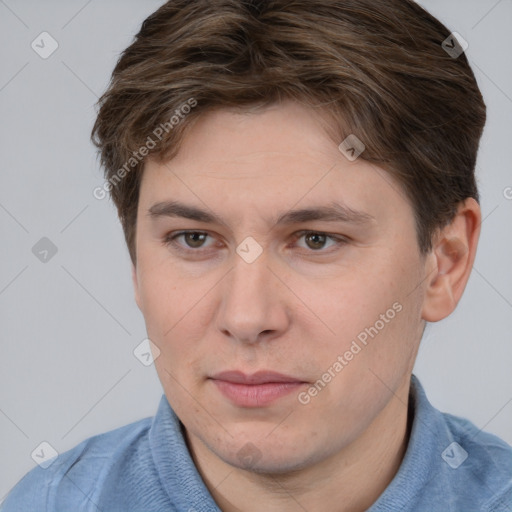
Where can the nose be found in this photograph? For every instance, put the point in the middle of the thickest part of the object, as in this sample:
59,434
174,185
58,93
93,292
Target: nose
252,307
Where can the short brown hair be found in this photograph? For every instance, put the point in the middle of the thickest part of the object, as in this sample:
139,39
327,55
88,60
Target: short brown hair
376,68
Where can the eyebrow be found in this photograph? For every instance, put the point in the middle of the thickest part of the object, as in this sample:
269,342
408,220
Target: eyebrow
333,212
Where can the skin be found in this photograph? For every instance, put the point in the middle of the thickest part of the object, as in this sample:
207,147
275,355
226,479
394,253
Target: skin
293,310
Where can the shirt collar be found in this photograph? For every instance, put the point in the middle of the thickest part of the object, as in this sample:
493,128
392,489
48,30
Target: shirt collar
176,469
422,461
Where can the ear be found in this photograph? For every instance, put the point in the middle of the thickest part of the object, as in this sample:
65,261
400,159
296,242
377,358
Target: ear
135,282
450,262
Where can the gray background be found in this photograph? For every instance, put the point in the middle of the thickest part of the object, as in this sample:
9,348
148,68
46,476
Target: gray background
69,326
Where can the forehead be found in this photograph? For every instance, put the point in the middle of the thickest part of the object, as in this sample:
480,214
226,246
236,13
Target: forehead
273,159
281,129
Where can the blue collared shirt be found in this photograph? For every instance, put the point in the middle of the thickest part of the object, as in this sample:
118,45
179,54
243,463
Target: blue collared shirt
449,466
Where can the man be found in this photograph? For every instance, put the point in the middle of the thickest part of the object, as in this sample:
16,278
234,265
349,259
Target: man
297,204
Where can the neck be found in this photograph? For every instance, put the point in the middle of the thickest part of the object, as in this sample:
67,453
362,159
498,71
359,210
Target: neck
350,480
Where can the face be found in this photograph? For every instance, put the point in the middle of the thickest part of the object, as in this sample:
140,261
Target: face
281,283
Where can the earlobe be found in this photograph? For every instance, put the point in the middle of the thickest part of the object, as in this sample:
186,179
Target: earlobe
451,262
443,285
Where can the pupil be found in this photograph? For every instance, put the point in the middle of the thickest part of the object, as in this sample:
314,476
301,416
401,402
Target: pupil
195,239
317,239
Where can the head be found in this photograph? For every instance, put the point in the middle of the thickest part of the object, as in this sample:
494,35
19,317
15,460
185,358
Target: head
301,261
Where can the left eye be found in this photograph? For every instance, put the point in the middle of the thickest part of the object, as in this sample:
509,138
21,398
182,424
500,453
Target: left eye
316,240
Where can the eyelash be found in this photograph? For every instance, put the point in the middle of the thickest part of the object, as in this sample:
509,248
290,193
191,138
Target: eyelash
170,241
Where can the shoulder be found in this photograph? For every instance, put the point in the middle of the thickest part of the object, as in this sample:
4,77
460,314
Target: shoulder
449,464
73,475
479,460
486,448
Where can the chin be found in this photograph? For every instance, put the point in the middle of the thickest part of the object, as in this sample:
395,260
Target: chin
268,458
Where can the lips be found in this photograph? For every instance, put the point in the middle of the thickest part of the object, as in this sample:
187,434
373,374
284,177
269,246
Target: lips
261,377
257,390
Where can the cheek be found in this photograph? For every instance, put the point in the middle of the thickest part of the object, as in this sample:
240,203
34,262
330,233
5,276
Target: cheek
177,313
164,296
352,300
370,311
